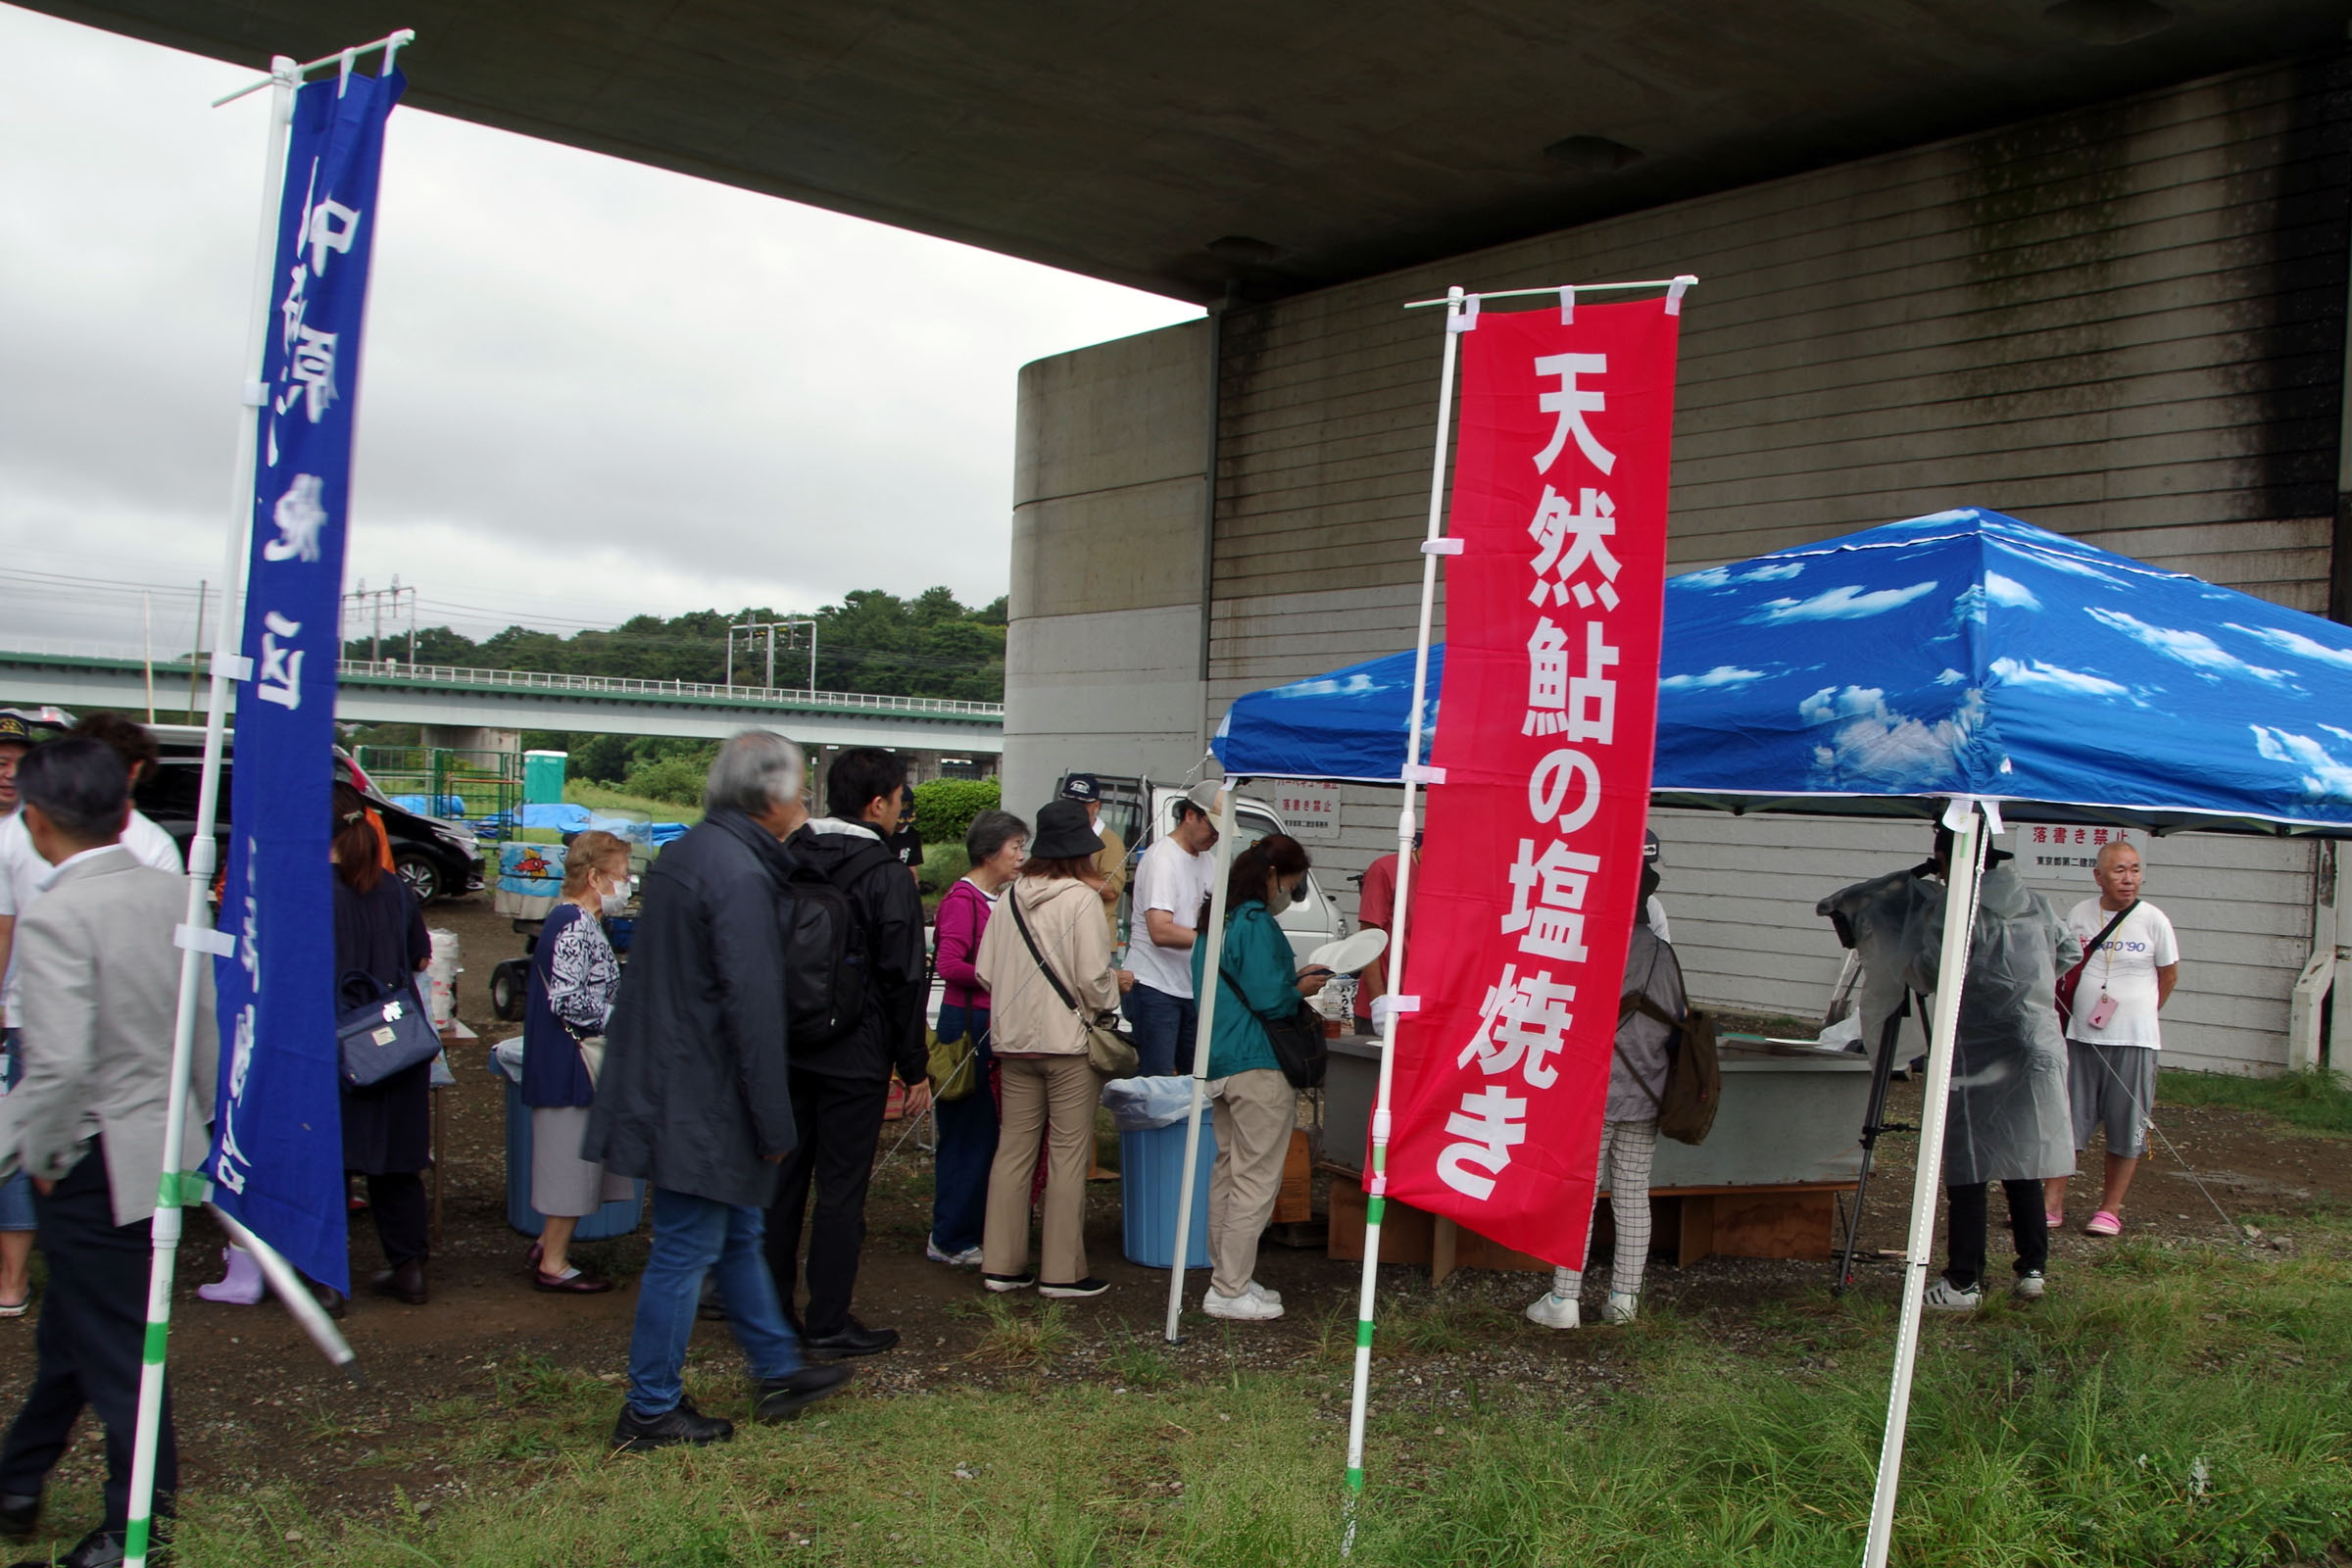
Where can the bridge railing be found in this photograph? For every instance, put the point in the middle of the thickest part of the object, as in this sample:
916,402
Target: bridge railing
176,666
632,686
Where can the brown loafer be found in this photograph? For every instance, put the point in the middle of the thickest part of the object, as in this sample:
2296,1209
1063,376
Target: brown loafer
578,1283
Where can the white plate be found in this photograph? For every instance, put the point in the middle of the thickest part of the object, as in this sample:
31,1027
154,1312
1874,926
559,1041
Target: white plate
1350,954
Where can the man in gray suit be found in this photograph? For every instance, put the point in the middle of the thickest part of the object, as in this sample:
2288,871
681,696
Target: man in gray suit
100,988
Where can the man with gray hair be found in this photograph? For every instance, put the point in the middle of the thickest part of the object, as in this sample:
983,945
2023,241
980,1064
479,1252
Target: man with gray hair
695,1097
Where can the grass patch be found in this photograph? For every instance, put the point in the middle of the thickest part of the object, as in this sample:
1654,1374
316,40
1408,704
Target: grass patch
605,798
2316,1099
1021,1337
2175,1405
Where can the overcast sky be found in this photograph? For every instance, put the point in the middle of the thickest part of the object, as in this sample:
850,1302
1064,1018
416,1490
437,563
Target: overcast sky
590,388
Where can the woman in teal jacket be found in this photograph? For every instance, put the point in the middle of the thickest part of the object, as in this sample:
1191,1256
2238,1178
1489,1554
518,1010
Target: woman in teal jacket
1255,1106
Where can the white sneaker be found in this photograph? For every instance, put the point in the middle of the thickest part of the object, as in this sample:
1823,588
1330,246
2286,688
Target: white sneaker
1946,1296
2029,1286
1270,1297
1244,1309
1621,1307
1552,1311
969,1257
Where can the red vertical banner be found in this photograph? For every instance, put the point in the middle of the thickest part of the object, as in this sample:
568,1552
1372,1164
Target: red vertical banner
1532,863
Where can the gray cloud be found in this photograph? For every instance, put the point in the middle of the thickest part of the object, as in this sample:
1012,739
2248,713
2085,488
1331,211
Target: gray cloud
591,387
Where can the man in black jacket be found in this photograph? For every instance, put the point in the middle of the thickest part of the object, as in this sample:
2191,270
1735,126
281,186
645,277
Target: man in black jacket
841,1083
694,1092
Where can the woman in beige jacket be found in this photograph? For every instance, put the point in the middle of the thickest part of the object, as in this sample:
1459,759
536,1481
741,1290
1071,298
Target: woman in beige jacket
1049,1091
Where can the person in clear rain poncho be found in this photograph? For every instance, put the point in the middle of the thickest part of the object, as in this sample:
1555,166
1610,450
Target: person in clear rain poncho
2006,1118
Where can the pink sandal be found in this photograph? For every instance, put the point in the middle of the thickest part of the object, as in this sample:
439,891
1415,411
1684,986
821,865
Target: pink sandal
2103,1224
2054,1218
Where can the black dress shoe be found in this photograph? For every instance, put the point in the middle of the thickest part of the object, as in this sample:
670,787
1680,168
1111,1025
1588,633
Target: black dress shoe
853,1338
19,1514
403,1284
782,1398
100,1548
682,1422
332,1301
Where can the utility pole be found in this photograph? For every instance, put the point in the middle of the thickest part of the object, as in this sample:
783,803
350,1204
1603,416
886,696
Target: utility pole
751,630
371,601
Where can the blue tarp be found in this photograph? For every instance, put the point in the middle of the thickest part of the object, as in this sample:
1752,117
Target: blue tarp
1962,653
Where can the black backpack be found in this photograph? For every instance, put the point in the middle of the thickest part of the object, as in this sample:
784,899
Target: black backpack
827,969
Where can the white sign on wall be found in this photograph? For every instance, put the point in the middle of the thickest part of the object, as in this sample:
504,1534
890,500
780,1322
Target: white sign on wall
1312,811
2061,857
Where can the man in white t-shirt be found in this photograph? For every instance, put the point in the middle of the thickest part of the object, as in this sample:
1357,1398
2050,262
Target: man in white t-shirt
2112,1040
24,875
1170,885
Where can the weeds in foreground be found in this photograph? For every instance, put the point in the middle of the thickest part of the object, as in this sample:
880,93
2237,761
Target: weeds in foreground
2181,1406
1021,1338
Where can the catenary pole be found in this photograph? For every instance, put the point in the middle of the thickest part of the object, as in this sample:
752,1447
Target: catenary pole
198,942
1213,933
1962,876
1461,314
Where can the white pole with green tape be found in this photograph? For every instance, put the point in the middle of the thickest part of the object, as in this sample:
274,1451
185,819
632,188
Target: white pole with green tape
1461,315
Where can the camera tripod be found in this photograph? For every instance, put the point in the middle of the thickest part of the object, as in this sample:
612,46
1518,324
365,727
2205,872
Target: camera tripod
1881,1072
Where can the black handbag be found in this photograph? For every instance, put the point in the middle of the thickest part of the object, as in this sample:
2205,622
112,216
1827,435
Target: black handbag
1299,1047
390,1032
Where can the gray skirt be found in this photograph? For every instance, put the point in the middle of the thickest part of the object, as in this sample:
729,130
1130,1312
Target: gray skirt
562,1184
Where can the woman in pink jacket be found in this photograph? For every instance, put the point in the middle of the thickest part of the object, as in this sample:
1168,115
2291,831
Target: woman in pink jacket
998,842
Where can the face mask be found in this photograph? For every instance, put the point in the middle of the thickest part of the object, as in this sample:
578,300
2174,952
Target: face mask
1282,898
618,898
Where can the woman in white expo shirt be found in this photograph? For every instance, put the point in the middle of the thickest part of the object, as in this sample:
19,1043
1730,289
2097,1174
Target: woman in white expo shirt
2112,1040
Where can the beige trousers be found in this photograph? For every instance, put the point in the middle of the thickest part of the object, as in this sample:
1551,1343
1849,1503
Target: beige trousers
1255,1113
1052,1099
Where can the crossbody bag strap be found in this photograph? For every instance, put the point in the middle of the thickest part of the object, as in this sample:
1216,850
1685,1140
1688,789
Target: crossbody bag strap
1021,925
2081,965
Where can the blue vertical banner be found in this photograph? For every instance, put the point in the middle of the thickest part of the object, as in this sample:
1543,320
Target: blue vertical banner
276,1161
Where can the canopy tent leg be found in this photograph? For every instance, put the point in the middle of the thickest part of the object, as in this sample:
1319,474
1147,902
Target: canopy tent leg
1965,872
1457,320
1202,1035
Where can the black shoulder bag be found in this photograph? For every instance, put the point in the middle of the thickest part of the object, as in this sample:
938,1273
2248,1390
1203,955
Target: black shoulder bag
1297,1039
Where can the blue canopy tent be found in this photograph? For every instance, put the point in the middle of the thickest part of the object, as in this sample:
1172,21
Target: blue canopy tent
1954,666
1964,653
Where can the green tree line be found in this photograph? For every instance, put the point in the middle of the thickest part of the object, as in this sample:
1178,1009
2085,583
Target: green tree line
932,644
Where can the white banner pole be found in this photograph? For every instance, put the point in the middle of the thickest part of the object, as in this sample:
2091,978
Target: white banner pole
1461,315
1206,1003
1962,874
197,940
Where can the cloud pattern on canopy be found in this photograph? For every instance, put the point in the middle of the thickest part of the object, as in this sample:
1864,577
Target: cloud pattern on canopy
1969,651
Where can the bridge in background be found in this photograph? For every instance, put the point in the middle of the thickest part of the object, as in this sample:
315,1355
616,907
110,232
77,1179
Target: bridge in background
452,697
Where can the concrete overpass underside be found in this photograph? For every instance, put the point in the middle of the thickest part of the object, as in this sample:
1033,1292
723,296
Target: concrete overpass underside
1197,149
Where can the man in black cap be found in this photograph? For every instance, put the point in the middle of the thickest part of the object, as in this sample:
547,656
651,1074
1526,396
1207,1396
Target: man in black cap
1110,861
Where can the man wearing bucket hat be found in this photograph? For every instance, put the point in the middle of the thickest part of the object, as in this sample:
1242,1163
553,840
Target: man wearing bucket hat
1170,886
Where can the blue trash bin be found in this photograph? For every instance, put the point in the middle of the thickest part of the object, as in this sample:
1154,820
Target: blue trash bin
616,1218
1150,1175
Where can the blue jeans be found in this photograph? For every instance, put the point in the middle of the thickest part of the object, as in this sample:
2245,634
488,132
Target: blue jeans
1165,1028
691,1237
967,1143
15,1193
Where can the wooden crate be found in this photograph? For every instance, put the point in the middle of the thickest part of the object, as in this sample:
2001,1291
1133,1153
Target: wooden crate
1296,1203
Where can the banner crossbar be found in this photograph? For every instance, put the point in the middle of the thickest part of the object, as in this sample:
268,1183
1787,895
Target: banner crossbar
1687,281
391,44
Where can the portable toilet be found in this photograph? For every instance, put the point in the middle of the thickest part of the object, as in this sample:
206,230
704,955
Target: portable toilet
542,777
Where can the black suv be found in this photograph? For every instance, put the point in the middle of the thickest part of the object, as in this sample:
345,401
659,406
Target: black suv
438,859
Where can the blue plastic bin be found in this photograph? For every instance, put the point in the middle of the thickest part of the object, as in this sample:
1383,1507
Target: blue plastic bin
616,1218
1150,1175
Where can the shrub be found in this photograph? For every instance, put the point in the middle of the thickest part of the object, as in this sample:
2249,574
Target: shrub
944,809
675,779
